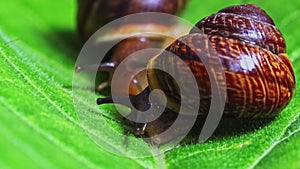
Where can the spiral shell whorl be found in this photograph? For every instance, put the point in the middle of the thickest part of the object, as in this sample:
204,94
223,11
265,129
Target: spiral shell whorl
250,11
248,23
259,83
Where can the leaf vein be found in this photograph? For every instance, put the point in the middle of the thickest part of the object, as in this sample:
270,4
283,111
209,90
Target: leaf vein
272,146
49,136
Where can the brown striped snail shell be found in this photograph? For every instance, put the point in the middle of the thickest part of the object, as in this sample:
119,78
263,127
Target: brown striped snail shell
260,79
259,76
93,14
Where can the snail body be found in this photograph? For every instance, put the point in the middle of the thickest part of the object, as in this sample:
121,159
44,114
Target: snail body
93,14
260,80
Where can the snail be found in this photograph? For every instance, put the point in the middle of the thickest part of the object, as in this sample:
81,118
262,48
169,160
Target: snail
260,80
93,14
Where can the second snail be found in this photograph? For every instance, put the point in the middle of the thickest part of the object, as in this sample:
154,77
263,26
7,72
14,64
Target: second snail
260,80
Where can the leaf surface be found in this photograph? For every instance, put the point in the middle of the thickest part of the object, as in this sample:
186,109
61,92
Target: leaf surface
39,125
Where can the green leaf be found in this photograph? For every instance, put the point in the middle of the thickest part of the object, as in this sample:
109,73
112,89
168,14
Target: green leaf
39,126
